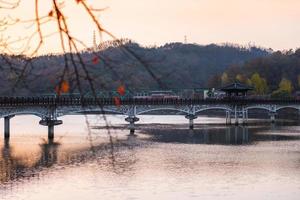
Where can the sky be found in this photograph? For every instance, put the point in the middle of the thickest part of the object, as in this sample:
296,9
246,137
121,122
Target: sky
267,23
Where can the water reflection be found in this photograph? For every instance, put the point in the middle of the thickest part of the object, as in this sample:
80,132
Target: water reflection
50,155
157,164
13,167
166,162
229,135
10,167
49,151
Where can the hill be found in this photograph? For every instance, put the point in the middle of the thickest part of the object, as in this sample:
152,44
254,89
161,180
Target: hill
173,65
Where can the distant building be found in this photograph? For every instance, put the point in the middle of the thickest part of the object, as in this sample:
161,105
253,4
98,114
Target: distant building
236,89
157,94
214,94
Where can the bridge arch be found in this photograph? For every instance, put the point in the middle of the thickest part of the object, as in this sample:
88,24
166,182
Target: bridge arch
18,113
76,111
285,107
213,108
158,109
268,109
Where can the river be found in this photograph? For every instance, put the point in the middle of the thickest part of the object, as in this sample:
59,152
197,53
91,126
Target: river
164,160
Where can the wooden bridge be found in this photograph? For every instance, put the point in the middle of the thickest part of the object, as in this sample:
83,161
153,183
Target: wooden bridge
50,108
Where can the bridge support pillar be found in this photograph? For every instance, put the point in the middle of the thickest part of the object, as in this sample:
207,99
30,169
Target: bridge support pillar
245,117
50,131
272,117
132,120
50,123
7,126
191,118
228,117
236,117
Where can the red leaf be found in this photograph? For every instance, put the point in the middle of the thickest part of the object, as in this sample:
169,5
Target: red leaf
95,60
57,90
65,87
117,101
121,90
50,14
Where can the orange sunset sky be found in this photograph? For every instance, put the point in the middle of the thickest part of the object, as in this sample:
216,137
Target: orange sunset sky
268,23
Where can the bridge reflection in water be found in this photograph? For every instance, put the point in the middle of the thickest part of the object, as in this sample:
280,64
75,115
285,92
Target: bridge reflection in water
29,165
230,135
13,167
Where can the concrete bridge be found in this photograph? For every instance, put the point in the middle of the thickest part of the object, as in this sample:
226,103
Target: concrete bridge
49,109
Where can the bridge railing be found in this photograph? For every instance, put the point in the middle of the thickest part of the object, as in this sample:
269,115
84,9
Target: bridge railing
69,101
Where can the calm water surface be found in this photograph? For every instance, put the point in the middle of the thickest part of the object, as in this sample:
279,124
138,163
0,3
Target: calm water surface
161,162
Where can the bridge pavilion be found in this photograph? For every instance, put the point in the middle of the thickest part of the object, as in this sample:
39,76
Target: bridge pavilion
236,89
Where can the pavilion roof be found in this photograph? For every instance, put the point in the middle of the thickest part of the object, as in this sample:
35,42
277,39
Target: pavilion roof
236,86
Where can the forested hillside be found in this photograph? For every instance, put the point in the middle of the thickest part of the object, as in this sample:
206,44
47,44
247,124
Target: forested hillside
276,74
174,65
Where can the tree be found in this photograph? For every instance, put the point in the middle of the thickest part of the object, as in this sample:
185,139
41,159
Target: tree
224,78
286,85
285,89
259,83
248,81
241,78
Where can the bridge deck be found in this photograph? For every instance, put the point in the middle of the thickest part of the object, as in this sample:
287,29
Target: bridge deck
69,101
